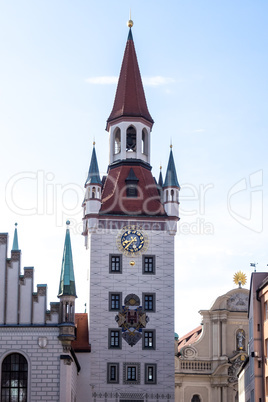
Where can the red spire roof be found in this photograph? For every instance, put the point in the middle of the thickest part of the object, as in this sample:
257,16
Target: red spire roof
130,98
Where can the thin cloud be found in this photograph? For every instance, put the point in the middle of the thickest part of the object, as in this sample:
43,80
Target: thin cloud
148,81
157,81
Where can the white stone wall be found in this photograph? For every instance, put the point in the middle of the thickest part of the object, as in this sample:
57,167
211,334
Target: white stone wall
43,363
161,244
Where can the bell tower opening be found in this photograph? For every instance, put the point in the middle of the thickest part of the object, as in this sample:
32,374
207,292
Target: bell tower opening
131,139
144,142
117,141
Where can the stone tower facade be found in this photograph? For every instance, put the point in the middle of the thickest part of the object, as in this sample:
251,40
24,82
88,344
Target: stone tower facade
129,225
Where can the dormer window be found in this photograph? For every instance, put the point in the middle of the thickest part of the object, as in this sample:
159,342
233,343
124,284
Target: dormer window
132,184
131,139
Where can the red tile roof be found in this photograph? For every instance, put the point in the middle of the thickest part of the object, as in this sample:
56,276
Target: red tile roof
190,338
115,201
81,343
130,98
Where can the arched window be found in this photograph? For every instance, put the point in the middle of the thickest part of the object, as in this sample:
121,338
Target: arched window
117,141
166,195
172,194
196,398
144,143
93,192
14,378
131,139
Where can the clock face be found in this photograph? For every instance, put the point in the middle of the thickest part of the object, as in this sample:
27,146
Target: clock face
132,241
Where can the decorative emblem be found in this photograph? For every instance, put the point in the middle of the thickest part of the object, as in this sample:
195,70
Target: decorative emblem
132,241
42,342
238,302
240,278
132,319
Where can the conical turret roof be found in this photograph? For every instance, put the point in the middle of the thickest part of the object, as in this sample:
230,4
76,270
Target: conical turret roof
67,281
93,172
171,175
130,99
160,179
15,246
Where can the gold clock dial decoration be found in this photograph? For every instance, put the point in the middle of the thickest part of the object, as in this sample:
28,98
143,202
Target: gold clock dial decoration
132,241
240,278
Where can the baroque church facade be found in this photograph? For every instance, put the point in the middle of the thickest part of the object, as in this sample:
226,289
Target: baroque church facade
129,225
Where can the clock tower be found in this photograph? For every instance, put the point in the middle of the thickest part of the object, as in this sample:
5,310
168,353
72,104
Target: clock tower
129,225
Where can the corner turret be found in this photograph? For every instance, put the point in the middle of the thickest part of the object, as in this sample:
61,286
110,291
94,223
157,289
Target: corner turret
67,294
171,188
92,201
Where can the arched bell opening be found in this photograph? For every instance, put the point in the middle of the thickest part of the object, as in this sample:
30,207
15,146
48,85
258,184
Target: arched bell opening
117,141
131,143
144,142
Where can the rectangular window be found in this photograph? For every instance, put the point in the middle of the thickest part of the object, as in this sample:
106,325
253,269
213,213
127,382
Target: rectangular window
131,373
114,337
132,190
148,264
148,339
113,373
115,266
150,374
149,301
115,301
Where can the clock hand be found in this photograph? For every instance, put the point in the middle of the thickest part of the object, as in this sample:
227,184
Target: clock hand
130,242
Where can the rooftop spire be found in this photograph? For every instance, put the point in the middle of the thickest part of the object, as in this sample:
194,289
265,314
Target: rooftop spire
93,172
160,179
15,246
171,175
67,282
130,98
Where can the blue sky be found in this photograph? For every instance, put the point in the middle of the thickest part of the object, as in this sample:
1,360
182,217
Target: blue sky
204,65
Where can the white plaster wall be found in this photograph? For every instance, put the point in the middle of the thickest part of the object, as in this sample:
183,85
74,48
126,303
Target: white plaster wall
43,364
3,256
83,378
26,291
12,292
39,309
132,280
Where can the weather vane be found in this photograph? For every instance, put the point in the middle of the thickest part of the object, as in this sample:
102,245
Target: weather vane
253,264
240,278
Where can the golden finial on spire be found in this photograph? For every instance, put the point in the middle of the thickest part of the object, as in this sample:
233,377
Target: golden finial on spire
130,22
240,278
94,143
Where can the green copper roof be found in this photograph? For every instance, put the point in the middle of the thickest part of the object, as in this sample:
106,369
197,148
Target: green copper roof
15,246
171,175
93,172
67,282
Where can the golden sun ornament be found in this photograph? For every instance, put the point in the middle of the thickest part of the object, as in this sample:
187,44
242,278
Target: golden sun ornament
240,278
